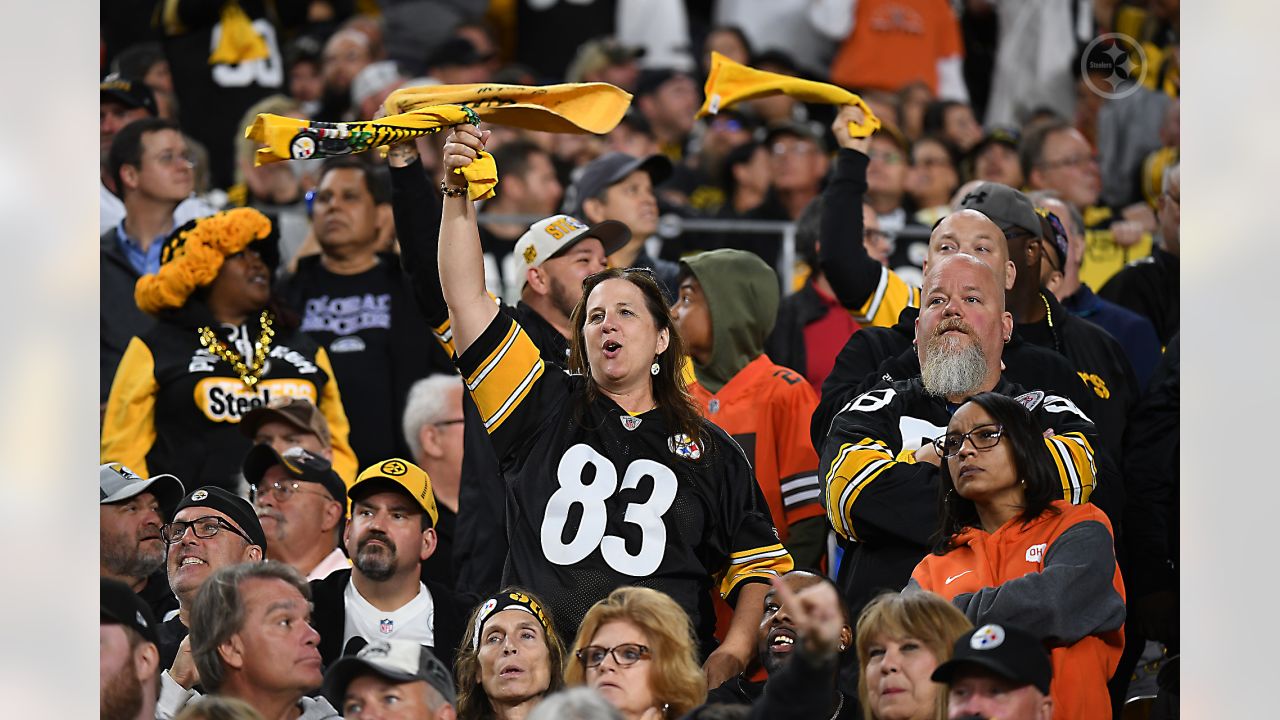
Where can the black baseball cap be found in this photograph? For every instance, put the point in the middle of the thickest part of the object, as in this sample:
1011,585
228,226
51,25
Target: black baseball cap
802,130
233,506
396,660
299,464
1006,207
608,170
653,78
1007,651
122,606
127,92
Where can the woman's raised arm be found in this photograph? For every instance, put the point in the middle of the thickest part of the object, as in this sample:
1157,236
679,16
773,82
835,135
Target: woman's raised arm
471,309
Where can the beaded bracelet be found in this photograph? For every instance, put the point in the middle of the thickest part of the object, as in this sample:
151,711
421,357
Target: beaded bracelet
451,191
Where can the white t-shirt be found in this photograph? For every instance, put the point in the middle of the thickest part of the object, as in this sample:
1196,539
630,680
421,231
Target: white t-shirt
414,621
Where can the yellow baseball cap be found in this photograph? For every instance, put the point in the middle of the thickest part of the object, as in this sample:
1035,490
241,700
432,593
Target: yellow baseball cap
411,478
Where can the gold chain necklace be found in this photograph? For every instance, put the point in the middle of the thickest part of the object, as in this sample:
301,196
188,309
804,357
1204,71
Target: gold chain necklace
248,373
1048,312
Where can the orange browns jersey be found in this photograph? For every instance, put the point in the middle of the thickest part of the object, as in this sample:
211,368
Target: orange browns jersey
767,409
1056,577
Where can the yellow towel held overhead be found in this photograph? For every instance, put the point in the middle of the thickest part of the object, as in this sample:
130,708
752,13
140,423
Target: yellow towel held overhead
239,41
730,83
418,111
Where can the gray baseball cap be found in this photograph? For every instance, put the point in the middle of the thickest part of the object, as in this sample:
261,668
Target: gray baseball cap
395,660
609,170
1006,207
117,483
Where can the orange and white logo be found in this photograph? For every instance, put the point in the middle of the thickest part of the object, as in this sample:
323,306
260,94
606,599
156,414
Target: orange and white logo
224,399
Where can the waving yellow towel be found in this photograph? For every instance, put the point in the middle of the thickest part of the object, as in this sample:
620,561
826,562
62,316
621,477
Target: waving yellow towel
418,111
730,83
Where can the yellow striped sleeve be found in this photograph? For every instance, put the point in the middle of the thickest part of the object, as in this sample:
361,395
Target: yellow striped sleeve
854,467
504,378
887,302
443,334
330,405
129,424
762,562
1073,457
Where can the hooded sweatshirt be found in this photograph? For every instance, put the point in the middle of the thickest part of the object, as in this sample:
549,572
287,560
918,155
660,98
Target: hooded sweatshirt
742,293
765,407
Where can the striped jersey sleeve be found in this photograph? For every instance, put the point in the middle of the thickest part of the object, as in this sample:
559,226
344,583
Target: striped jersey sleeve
884,305
754,550
513,389
856,466
1070,442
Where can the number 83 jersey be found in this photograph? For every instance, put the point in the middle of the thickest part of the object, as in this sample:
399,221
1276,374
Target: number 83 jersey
600,498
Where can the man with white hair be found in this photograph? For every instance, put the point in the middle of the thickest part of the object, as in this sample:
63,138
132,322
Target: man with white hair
878,465
433,423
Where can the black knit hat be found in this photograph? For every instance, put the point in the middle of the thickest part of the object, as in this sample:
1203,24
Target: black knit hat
233,506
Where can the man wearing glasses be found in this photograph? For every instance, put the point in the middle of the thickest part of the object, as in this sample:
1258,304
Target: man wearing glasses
879,464
211,529
433,428
301,503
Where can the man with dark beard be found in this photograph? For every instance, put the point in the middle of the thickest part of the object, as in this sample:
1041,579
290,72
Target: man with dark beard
878,465
130,513
130,663
382,596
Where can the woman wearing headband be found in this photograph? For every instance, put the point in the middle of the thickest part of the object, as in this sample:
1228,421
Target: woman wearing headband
221,347
613,474
510,659
637,649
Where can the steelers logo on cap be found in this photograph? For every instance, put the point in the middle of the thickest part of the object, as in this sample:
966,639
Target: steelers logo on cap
199,494
530,254
988,637
394,468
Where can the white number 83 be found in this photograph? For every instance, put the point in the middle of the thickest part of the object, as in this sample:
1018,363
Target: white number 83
646,515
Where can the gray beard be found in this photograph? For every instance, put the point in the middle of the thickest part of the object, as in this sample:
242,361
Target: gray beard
950,371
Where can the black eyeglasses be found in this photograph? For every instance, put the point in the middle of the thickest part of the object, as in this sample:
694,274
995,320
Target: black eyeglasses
626,654
204,528
981,437
280,491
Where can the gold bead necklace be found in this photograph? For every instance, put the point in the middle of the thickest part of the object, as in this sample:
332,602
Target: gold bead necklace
248,373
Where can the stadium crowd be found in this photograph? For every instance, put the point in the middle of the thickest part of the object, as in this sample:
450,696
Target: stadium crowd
837,377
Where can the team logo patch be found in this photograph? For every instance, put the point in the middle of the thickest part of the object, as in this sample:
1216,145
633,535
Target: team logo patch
988,637
683,446
488,607
394,468
630,423
1030,400
199,495
714,406
530,254
387,626
1035,553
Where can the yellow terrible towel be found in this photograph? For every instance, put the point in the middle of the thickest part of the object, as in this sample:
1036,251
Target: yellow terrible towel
730,83
567,108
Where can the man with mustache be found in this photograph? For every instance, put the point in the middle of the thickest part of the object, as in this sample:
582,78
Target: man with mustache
301,502
383,595
130,512
878,466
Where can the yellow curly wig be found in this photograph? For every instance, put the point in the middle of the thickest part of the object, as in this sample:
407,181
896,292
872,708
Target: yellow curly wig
193,255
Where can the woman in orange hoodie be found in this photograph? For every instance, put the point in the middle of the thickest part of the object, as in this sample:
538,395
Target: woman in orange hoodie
1009,552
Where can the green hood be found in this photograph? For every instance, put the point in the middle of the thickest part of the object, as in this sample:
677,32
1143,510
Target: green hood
742,293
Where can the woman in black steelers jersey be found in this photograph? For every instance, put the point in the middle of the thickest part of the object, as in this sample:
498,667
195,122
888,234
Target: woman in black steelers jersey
612,476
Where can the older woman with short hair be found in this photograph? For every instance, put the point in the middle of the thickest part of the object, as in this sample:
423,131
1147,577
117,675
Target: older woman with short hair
637,649
901,639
